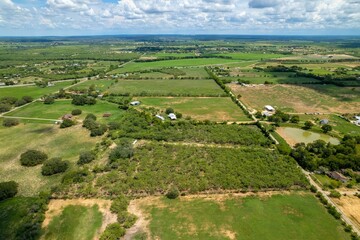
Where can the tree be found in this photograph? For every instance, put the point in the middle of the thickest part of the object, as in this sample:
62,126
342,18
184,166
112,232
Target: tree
173,193
32,158
178,115
8,190
169,110
76,112
49,100
20,102
123,150
5,107
326,128
90,116
67,123
10,122
28,99
295,119
54,166
86,157
99,130
308,125
113,232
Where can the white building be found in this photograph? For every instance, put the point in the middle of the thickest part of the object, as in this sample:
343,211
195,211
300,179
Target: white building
269,108
172,116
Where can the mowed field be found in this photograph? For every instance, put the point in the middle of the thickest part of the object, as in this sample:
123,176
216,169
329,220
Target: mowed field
279,217
167,87
205,108
140,66
55,142
62,107
32,91
301,99
100,85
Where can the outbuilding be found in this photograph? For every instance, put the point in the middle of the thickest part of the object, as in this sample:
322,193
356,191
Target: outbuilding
269,108
172,116
135,103
324,121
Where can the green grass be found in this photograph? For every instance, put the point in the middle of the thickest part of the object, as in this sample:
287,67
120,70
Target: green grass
62,107
327,181
100,85
75,222
66,143
294,216
32,91
252,56
214,109
136,66
167,87
12,213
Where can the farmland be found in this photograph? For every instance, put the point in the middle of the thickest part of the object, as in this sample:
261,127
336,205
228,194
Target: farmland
294,216
214,109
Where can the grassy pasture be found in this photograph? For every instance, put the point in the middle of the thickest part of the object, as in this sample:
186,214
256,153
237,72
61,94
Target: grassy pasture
214,109
62,107
100,85
301,99
167,87
251,56
32,91
136,66
56,142
277,217
75,222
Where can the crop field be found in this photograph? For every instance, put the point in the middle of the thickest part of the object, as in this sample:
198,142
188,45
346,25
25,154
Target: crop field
301,99
62,107
65,143
32,91
214,109
100,85
274,217
252,56
136,66
167,88
75,222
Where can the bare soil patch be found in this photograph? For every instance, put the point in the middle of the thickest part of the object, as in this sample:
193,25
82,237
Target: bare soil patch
350,205
56,206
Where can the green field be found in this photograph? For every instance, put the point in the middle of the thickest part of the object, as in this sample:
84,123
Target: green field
100,85
252,56
32,91
136,66
75,222
279,217
65,143
167,88
62,107
214,109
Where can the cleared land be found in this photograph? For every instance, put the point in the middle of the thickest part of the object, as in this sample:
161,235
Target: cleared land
62,107
287,216
100,85
301,99
32,91
350,205
75,222
65,143
214,109
167,87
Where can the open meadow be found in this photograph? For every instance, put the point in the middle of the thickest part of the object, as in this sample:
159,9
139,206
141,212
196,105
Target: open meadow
204,108
296,216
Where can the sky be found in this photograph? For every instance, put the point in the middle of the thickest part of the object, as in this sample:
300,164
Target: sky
243,17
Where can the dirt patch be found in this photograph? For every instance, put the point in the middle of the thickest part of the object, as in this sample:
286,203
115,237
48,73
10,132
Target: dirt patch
288,139
56,206
229,234
350,206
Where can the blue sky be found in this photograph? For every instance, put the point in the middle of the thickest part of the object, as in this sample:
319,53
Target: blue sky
97,17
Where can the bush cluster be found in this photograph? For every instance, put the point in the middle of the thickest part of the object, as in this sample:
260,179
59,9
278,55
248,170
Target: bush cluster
54,166
8,189
32,158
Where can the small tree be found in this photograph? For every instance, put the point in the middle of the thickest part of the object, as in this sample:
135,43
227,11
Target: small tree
67,123
76,112
308,125
10,122
54,166
28,99
90,116
169,110
86,157
178,115
8,190
5,107
49,100
173,193
295,119
32,158
326,128
113,232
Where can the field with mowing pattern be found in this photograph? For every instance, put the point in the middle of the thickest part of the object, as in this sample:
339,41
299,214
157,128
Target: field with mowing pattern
277,217
214,109
167,88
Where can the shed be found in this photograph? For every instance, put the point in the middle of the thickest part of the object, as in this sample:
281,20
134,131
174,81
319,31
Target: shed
324,121
107,115
172,116
67,116
160,117
269,108
338,176
135,103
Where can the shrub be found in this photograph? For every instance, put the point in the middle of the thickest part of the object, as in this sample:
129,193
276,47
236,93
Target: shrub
49,100
8,190
295,119
67,123
99,130
113,232
20,102
32,158
9,122
54,166
76,112
28,99
169,110
5,107
335,194
308,125
326,128
313,189
90,123
123,150
173,193
90,116
120,204
86,157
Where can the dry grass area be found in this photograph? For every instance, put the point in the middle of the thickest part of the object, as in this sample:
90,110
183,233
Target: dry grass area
56,206
300,99
350,205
